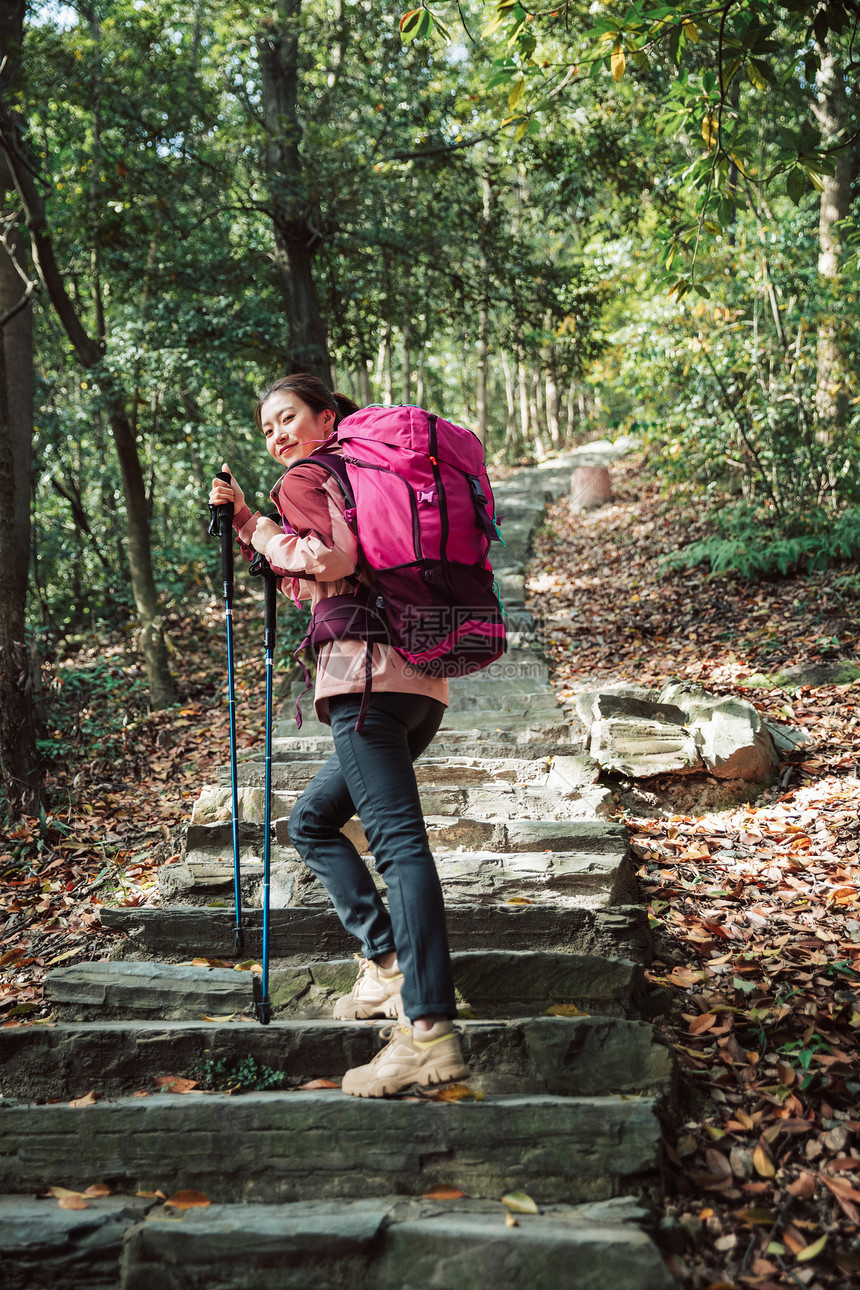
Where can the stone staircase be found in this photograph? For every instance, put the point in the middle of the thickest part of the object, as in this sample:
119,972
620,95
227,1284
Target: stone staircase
310,1188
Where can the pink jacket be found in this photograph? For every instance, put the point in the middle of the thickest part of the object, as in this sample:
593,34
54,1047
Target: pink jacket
316,561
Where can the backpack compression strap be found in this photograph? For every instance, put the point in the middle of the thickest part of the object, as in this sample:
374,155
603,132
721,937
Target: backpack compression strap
340,618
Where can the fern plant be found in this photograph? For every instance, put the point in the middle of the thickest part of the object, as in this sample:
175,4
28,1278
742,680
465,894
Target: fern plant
752,546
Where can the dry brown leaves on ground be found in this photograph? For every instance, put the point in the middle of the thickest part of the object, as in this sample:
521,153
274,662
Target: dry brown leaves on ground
117,796
754,910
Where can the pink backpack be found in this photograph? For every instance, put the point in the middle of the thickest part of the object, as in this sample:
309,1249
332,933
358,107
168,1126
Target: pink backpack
419,501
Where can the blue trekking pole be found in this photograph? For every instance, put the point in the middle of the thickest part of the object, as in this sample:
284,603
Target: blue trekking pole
260,566
221,525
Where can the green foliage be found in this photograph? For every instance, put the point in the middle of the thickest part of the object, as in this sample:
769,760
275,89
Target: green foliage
622,209
292,629
749,543
95,704
248,1075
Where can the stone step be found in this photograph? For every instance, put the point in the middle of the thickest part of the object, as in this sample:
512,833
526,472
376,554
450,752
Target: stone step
283,1146
523,724
383,1243
571,878
212,844
491,800
591,837
288,746
313,932
565,1056
534,708
489,983
298,773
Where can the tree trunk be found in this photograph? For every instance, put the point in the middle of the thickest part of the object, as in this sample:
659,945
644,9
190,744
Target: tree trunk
89,353
19,765
552,409
571,411
536,409
20,776
511,404
483,346
831,110
295,215
422,366
523,383
407,363
365,390
386,374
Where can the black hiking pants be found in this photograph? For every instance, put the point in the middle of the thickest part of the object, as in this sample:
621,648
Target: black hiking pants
372,774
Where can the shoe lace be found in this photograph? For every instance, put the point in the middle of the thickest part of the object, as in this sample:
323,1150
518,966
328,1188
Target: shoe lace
389,1033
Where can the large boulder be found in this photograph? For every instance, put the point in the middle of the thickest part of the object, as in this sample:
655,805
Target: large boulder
679,730
731,737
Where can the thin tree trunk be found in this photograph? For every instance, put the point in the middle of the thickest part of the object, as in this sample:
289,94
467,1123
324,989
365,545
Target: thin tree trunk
20,777
536,409
511,405
365,389
295,214
525,420
831,110
90,353
387,371
483,346
552,409
571,411
19,764
407,363
419,388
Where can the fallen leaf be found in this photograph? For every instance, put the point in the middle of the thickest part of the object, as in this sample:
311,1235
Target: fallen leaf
564,1010
320,1083
187,1200
841,1186
510,1221
763,1163
174,1083
89,1099
455,1093
72,1202
520,1203
97,1189
59,1192
444,1193
803,1187
812,1251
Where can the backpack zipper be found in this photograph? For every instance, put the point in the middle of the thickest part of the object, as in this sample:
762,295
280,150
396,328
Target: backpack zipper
413,506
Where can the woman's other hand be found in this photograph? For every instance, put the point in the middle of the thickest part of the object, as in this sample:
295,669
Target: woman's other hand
224,492
263,534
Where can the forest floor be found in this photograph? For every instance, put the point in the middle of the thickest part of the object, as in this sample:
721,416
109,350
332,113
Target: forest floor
755,908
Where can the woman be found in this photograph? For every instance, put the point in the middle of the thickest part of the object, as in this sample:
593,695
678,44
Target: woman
406,968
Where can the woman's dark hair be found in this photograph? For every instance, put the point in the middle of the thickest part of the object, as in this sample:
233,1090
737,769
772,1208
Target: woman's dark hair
312,391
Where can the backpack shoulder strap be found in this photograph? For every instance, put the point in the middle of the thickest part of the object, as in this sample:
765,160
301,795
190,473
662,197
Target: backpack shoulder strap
333,464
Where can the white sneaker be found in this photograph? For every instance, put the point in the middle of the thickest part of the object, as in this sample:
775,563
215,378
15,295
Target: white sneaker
376,993
410,1060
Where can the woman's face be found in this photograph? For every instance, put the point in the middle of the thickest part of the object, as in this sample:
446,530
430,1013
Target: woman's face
291,428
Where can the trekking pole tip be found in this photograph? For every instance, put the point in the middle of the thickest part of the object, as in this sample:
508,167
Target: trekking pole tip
264,1012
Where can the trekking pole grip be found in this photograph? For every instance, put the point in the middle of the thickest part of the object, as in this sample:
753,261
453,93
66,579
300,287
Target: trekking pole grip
221,525
260,567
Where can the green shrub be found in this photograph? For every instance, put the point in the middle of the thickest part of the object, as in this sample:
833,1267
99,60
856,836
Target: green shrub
751,544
